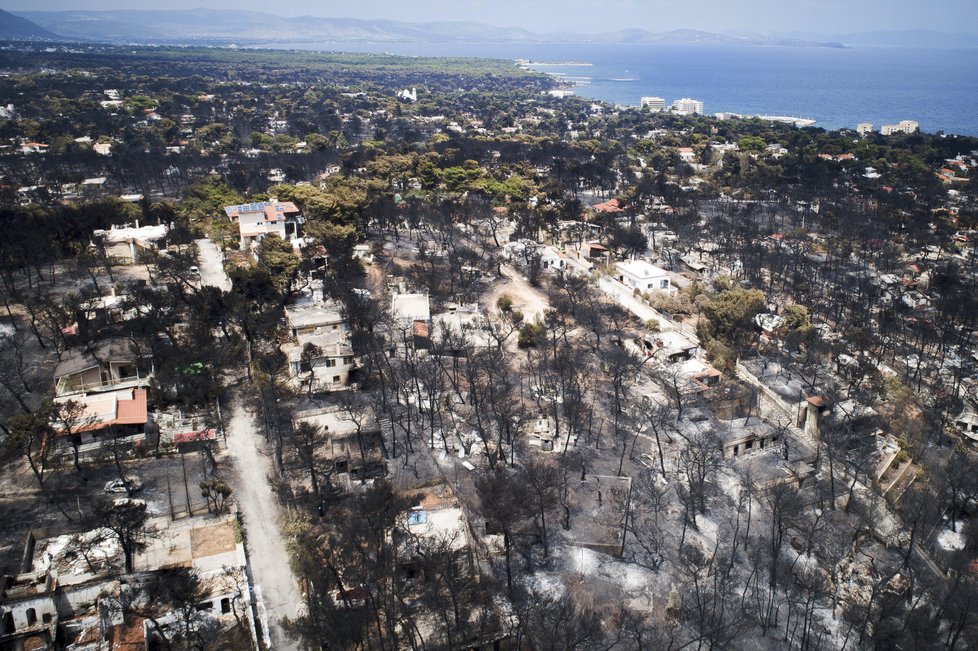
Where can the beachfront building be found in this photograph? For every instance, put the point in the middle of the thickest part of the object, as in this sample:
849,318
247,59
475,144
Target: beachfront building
687,106
905,126
864,128
654,104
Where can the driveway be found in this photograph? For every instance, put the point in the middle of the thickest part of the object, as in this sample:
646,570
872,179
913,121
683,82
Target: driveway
623,296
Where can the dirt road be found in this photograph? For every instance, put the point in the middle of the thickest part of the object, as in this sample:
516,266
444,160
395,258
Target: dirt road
275,586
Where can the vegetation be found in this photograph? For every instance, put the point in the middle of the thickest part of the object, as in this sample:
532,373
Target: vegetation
593,436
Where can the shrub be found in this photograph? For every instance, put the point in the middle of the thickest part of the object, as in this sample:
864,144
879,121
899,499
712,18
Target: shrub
530,335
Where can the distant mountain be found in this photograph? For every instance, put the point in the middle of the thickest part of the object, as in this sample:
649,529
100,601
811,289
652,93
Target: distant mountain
912,38
249,27
897,38
17,28
698,37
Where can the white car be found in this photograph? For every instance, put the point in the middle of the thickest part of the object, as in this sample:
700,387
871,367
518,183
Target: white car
119,486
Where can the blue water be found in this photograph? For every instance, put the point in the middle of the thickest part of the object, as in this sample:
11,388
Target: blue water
836,87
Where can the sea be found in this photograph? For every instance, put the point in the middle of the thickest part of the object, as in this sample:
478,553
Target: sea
836,87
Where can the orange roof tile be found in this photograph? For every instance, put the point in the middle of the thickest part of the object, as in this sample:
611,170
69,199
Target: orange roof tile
608,206
127,407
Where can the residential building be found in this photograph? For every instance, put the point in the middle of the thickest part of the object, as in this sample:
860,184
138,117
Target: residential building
411,308
458,329
687,106
669,347
864,128
315,318
63,599
109,365
354,445
905,126
686,154
320,362
610,206
412,314
126,244
435,525
643,276
119,415
654,104
256,220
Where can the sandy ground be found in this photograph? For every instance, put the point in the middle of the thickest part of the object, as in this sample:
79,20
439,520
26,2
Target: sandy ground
268,556
527,299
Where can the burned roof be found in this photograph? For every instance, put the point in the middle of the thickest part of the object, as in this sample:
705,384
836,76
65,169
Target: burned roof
109,350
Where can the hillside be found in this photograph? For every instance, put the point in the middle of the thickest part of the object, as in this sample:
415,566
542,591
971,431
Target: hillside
18,28
248,27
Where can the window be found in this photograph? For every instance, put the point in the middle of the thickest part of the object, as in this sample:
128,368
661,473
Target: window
305,366
330,363
31,617
225,605
46,618
336,378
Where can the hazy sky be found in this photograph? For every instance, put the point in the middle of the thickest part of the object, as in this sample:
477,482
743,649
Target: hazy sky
826,16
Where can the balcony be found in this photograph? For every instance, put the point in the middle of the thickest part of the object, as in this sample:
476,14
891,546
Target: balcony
71,384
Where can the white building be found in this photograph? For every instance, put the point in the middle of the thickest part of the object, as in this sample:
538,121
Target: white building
460,327
409,308
905,126
320,362
256,220
644,276
125,244
864,128
315,318
654,104
687,106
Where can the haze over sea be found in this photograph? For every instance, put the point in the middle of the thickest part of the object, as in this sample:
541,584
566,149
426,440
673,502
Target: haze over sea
836,87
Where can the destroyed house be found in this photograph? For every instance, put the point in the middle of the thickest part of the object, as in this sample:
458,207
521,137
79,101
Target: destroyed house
110,364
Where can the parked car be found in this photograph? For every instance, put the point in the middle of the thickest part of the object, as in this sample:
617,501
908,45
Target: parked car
130,484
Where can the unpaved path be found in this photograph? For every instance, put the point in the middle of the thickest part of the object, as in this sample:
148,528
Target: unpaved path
275,587
527,299
267,553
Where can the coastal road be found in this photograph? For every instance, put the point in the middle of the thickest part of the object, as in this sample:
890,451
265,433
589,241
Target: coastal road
276,588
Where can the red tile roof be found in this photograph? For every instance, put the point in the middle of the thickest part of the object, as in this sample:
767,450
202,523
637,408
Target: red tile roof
191,437
608,206
128,408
